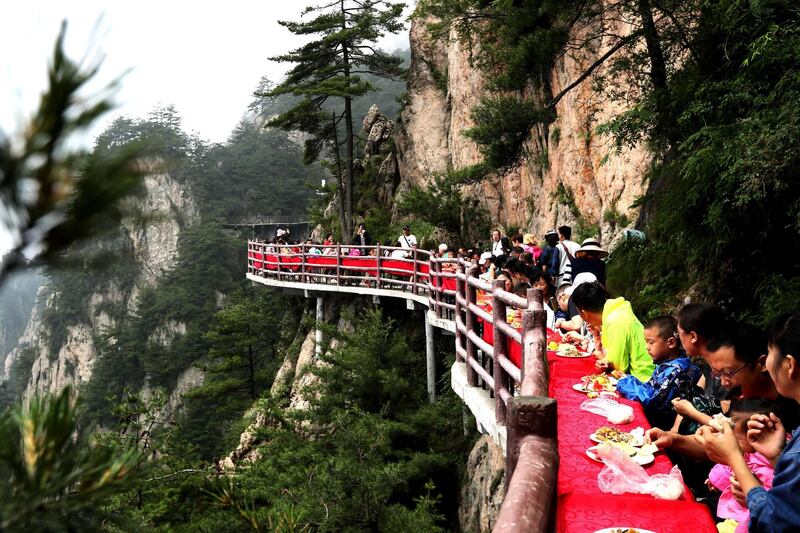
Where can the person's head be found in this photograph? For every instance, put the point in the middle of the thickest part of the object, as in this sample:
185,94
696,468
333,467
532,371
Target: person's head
542,281
330,237
591,249
485,260
406,231
516,240
529,239
661,338
496,235
590,298
508,283
551,237
737,355
442,249
783,342
697,323
526,257
309,241
740,411
500,261
512,266
517,251
562,296
564,233
521,289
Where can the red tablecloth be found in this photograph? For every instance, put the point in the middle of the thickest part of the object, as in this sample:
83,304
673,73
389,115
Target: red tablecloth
581,507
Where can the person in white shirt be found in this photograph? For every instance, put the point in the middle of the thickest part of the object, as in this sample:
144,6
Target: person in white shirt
498,247
567,249
407,241
399,254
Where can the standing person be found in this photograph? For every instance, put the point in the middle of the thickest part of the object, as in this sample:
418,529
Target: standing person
362,237
622,335
550,260
498,248
408,240
776,510
529,243
568,248
589,258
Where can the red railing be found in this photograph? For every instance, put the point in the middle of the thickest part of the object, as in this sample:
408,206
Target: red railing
510,362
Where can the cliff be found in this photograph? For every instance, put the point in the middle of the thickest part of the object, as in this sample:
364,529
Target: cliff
571,175
151,233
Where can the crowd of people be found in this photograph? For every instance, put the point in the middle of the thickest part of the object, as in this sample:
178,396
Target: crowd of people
722,396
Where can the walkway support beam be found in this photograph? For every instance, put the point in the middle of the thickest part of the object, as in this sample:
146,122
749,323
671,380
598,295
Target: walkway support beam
320,319
430,359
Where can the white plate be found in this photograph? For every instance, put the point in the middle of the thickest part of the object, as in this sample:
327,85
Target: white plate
579,387
618,529
635,442
580,356
641,460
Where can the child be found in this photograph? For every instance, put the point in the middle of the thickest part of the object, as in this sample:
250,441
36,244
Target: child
673,376
562,297
720,476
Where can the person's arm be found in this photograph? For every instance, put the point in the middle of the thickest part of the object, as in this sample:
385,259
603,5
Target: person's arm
682,444
723,448
614,346
687,409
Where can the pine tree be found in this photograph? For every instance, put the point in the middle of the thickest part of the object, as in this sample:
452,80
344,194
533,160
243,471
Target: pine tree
331,66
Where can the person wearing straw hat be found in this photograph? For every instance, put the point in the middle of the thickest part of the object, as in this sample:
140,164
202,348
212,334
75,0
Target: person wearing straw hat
589,258
529,243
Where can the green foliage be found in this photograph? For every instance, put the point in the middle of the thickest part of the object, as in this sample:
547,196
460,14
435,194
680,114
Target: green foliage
502,127
583,228
53,479
443,205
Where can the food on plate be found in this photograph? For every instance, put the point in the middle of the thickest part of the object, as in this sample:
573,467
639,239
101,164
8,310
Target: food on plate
648,449
718,420
598,383
568,350
552,346
612,435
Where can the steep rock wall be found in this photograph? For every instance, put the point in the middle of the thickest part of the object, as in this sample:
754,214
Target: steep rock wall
165,207
443,87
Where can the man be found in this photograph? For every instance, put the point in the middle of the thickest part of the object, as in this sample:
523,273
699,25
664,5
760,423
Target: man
550,260
408,241
622,335
568,248
497,244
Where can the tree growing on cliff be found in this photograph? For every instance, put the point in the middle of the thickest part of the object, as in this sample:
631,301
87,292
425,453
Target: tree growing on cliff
330,67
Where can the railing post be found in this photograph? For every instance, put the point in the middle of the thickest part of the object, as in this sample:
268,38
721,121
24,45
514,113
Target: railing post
303,277
472,353
500,349
461,293
278,253
338,264
438,288
414,275
534,371
378,270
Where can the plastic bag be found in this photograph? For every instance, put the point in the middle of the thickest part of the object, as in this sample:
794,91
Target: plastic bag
622,475
615,412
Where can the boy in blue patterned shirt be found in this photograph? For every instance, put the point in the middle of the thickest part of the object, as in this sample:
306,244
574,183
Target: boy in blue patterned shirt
673,377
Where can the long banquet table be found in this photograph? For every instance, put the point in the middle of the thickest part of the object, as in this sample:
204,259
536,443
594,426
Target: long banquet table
581,507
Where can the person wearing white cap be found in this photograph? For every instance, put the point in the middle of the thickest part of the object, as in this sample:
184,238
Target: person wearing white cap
575,322
589,258
487,267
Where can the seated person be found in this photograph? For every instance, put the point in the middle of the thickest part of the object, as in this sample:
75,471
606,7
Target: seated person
574,325
622,338
719,478
562,298
673,377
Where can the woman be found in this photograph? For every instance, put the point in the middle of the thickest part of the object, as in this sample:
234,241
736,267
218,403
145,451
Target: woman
777,510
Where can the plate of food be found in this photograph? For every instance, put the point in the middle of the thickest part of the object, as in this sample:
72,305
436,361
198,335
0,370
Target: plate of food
568,350
597,383
614,436
636,455
624,530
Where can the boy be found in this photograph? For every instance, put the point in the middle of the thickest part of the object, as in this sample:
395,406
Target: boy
674,374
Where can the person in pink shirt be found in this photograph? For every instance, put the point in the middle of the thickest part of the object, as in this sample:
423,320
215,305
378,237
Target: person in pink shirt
720,476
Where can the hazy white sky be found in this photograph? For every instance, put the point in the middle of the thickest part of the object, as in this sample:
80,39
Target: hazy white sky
205,57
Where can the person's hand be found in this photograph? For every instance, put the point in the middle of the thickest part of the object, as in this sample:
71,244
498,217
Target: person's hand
662,439
558,323
683,406
710,486
573,336
738,493
766,434
721,446
601,365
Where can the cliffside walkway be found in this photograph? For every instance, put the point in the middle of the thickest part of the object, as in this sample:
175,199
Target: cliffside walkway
501,371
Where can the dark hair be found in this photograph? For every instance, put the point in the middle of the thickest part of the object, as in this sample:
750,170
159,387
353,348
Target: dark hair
505,244
500,261
552,239
566,231
516,238
518,250
590,297
748,341
526,257
704,319
784,335
513,265
752,406
666,325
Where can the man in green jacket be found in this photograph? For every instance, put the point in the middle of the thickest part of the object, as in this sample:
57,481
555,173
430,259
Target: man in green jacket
622,335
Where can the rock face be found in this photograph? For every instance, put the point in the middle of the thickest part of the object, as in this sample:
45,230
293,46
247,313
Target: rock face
443,87
484,487
165,207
